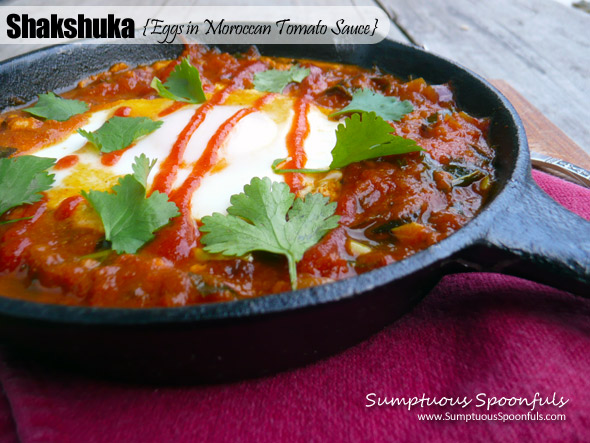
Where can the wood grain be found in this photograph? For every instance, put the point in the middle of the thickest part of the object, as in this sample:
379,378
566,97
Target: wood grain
543,136
540,47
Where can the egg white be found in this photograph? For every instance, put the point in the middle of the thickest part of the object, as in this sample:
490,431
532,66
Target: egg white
248,151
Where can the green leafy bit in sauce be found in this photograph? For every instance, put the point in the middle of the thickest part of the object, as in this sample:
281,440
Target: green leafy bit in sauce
268,217
52,107
6,151
183,84
366,100
98,256
130,217
275,80
466,180
22,179
119,132
205,288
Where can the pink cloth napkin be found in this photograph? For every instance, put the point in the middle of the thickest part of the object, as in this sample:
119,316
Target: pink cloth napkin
474,334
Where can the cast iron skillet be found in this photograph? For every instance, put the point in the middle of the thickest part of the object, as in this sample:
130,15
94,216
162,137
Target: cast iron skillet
521,231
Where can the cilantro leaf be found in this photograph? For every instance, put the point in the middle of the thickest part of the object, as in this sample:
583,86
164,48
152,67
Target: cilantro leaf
22,179
268,217
274,80
142,168
52,107
388,108
119,132
359,139
183,84
128,217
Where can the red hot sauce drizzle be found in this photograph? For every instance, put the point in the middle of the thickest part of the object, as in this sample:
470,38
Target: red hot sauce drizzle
66,162
176,241
392,207
295,141
208,159
172,108
67,207
307,90
164,181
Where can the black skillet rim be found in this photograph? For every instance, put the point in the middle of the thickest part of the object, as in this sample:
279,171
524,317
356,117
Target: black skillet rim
473,233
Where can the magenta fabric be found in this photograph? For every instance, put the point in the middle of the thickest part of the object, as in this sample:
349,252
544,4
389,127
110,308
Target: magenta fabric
473,334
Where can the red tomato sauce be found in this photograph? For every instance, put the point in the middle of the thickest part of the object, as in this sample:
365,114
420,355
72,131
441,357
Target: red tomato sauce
390,207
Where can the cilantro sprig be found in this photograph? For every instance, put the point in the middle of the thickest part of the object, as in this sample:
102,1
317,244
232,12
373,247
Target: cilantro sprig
51,107
119,132
366,100
268,217
360,137
130,217
365,136
275,80
22,179
183,84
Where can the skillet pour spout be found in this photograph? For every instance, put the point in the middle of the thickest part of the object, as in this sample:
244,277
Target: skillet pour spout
520,231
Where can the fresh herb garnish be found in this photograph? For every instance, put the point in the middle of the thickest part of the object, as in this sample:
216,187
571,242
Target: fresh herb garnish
52,107
183,84
274,80
361,137
22,179
268,217
388,108
119,132
365,136
128,216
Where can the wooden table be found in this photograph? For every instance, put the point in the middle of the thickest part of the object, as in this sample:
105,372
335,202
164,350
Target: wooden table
540,50
540,47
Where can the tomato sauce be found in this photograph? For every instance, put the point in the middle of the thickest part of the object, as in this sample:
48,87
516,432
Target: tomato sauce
390,207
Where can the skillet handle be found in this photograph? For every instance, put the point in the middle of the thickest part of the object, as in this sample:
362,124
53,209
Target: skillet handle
540,240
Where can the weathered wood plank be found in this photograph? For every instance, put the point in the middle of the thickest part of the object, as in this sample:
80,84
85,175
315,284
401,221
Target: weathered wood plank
543,136
539,46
